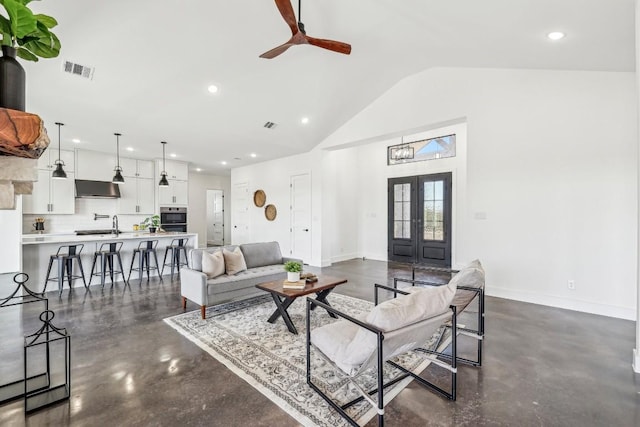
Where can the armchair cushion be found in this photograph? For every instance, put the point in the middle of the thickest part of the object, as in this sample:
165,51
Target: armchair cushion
349,346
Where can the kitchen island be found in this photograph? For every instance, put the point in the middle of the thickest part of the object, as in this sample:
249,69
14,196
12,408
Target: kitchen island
37,248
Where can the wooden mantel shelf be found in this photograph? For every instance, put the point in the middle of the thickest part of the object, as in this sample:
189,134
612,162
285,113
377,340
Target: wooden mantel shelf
23,139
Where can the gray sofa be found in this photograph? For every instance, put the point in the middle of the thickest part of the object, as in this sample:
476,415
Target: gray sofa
264,263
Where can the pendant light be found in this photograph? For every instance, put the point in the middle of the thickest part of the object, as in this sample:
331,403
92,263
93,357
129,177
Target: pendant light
163,175
117,178
59,173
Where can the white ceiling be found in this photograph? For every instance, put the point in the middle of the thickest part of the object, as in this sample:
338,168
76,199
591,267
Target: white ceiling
154,60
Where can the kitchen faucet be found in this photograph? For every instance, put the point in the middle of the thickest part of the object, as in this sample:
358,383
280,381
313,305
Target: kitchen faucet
115,225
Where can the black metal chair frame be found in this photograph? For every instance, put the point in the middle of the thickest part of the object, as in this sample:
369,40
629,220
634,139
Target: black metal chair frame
144,258
175,255
365,395
477,334
106,260
66,260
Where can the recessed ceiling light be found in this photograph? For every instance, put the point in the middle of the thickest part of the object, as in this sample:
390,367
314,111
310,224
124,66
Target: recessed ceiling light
304,120
212,88
254,155
173,155
129,148
556,35
223,162
76,140
198,170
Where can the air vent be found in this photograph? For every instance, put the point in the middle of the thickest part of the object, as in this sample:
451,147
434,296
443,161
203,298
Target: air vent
77,69
270,125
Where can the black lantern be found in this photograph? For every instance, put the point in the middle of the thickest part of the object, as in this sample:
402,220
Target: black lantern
50,346
21,295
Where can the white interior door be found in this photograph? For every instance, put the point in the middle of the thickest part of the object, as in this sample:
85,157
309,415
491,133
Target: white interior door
240,220
301,216
215,218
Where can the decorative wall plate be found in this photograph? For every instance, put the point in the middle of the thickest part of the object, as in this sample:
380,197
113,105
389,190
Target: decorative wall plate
259,198
270,212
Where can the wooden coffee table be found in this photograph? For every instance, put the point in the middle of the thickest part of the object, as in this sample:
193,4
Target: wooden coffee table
283,298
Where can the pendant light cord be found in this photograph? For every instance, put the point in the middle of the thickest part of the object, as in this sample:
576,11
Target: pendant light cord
117,149
59,126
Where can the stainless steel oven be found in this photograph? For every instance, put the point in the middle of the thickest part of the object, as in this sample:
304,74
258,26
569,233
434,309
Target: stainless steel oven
173,219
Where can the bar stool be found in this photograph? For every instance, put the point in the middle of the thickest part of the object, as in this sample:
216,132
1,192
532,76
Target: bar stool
175,247
65,256
107,252
144,251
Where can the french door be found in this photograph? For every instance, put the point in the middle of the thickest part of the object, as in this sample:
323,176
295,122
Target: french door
420,219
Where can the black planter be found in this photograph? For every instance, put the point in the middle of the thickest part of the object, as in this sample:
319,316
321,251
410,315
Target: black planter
12,80
152,230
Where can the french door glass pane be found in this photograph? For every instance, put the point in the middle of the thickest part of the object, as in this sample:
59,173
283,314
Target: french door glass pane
402,211
433,210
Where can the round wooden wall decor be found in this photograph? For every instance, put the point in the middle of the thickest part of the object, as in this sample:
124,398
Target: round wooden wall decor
259,198
270,212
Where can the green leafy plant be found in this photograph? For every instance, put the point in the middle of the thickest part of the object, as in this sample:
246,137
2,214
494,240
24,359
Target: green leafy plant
292,267
29,33
152,221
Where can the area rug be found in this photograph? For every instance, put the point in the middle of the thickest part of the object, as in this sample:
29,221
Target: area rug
273,360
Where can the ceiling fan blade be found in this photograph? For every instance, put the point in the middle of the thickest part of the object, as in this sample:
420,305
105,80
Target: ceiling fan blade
330,45
286,10
277,50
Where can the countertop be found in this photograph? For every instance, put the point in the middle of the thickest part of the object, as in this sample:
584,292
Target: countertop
39,239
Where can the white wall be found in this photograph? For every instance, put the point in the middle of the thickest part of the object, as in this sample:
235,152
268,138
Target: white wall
197,210
552,160
11,247
551,163
274,178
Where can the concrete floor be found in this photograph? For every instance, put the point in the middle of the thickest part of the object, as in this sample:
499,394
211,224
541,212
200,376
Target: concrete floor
542,367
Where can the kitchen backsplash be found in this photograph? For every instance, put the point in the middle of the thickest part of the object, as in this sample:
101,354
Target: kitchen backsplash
83,219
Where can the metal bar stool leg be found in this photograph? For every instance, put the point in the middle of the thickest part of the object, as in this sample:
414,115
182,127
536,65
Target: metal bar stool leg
93,267
60,274
46,280
103,262
126,282
141,265
164,261
82,272
173,260
133,259
69,263
110,262
155,255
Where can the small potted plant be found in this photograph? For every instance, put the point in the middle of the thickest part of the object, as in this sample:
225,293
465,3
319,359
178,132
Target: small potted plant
152,223
293,269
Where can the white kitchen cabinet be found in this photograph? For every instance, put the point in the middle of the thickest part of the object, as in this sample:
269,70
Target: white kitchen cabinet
50,196
95,166
176,194
136,168
175,170
136,196
48,158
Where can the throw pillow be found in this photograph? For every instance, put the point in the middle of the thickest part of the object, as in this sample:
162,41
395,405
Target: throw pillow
212,264
234,261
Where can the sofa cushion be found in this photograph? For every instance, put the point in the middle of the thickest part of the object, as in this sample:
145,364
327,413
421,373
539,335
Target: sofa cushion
213,264
195,255
245,279
261,254
234,261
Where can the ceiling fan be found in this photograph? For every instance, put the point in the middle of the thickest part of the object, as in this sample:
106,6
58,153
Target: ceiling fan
299,35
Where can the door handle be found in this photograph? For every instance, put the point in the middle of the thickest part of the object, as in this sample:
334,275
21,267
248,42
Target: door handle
235,226
305,229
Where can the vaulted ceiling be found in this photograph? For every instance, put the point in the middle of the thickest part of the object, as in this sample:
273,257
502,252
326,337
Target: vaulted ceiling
155,59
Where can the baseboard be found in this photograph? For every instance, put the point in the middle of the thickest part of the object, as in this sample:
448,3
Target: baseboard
619,312
636,361
344,257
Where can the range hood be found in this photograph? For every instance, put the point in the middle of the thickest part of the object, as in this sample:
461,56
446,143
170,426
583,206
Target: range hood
96,189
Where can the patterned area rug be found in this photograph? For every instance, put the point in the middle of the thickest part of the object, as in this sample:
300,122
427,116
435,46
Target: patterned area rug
272,360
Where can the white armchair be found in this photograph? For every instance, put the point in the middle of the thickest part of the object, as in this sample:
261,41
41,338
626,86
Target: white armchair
391,328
